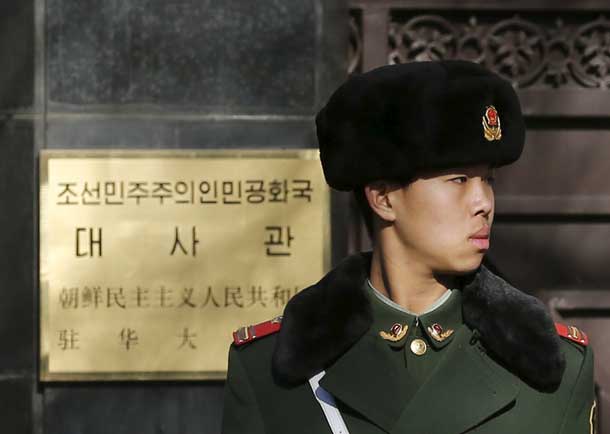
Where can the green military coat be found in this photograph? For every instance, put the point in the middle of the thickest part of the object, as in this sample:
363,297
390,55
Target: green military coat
492,363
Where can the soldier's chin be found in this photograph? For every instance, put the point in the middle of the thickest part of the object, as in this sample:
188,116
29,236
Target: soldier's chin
466,265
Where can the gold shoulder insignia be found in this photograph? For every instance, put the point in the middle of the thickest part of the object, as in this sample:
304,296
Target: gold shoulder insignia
572,333
249,333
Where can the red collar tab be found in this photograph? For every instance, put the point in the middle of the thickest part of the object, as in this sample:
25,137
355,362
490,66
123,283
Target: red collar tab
572,333
247,334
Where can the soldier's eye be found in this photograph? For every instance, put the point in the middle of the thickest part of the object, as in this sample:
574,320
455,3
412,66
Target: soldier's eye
460,179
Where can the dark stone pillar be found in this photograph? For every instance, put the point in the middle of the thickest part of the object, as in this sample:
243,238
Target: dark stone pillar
17,263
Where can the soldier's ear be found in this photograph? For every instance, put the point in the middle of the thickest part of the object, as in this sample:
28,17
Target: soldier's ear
378,196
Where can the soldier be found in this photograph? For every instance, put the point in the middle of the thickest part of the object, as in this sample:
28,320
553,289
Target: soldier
417,336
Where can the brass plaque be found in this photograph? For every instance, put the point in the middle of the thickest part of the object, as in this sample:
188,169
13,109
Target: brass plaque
150,259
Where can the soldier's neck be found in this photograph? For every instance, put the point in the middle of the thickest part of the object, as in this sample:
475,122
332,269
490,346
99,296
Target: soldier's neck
405,281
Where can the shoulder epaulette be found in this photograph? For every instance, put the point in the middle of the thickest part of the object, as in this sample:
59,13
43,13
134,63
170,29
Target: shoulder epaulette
572,333
249,333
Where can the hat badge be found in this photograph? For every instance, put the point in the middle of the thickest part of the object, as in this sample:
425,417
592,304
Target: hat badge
396,333
491,124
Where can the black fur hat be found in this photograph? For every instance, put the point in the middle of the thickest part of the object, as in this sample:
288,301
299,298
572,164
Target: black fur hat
393,120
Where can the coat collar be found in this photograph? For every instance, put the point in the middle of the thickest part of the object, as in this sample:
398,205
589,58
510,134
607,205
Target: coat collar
324,321
464,378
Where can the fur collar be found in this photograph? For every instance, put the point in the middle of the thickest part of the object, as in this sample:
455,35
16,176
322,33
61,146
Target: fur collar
323,321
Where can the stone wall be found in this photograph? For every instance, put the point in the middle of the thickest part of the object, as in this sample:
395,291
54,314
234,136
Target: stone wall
140,74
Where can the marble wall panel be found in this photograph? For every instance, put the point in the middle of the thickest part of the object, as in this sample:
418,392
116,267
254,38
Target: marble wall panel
220,56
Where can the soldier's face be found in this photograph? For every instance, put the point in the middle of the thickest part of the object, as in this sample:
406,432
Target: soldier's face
438,215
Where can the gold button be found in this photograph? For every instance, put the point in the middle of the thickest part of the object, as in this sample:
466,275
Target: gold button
418,347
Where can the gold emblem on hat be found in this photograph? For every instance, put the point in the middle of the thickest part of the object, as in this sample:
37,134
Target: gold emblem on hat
396,333
419,347
491,124
437,332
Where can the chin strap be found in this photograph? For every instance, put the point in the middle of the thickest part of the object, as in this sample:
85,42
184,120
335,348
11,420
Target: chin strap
327,402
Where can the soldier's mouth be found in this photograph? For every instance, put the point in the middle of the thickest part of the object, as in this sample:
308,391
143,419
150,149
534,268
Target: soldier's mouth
481,243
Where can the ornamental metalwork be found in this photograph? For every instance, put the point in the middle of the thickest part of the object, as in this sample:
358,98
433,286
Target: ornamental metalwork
528,51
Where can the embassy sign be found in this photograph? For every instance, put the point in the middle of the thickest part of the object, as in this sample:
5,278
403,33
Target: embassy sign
150,259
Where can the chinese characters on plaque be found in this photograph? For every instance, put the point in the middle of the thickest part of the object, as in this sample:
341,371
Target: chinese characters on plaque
150,259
